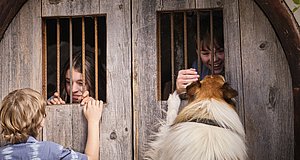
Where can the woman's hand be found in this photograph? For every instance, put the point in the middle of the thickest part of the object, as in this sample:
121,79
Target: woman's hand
55,99
185,77
86,98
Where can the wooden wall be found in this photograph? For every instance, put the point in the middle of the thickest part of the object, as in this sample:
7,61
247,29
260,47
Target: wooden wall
256,66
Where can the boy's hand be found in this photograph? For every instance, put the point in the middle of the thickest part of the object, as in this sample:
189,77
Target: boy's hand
184,78
55,99
93,110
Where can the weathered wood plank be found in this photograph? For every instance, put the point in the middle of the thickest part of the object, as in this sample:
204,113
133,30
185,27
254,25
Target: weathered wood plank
8,10
66,125
233,65
21,47
116,127
20,51
267,88
175,5
209,3
147,108
69,8
58,125
287,29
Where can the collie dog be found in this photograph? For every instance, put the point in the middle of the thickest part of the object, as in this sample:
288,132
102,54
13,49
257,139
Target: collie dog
208,128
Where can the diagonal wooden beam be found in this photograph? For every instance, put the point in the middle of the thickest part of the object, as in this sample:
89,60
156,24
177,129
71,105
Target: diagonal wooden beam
8,10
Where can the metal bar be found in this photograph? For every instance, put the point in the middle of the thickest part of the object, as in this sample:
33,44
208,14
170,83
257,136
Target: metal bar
198,44
212,48
44,59
71,57
96,57
83,52
58,56
172,51
185,41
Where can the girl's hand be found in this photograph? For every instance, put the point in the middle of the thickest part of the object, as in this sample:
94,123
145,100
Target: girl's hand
55,99
185,77
85,98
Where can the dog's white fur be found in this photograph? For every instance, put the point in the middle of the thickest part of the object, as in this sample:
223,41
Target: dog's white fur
199,141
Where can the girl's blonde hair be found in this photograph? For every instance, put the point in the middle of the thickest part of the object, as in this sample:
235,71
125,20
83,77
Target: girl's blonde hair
22,112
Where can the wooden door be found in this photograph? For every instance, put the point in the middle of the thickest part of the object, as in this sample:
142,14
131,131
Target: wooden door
255,65
148,108
116,126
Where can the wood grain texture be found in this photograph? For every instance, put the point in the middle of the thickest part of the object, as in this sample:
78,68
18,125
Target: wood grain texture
209,3
20,51
147,110
8,9
116,128
287,29
58,125
66,125
267,88
165,5
69,8
233,65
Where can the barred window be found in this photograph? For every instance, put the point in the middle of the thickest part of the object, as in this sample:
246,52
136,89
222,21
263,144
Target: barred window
74,46
181,36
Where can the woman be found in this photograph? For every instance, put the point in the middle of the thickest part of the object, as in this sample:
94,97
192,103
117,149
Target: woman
80,92
187,76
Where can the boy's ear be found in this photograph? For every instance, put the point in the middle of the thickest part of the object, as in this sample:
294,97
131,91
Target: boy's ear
228,92
192,88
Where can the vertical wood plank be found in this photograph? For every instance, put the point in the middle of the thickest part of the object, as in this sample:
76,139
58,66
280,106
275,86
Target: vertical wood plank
21,57
69,8
58,125
116,127
79,128
267,88
232,46
66,125
147,109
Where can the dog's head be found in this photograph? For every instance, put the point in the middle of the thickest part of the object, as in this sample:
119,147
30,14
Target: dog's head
212,86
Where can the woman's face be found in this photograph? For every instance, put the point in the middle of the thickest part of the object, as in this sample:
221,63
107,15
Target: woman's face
218,58
77,85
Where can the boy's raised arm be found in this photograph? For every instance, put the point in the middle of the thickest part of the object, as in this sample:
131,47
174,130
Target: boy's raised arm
93,112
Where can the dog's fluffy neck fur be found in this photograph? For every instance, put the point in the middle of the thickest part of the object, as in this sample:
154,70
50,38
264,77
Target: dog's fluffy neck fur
213,109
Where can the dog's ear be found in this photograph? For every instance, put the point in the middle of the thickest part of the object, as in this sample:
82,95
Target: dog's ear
228,92
192,88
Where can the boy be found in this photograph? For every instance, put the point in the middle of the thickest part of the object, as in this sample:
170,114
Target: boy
22,116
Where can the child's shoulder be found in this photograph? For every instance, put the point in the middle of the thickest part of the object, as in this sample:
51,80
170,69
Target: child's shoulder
31,148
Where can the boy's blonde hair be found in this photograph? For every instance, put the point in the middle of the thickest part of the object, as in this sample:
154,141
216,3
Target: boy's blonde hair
22,112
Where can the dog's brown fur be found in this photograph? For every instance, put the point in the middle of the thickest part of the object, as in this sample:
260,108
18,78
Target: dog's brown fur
213,86
182,138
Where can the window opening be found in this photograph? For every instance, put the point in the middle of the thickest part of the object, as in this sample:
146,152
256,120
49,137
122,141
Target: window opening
74,47
185,39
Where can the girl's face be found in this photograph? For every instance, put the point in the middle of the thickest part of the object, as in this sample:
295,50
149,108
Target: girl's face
219,57
77,85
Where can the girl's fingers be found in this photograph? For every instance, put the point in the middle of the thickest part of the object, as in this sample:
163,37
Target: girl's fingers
85,94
